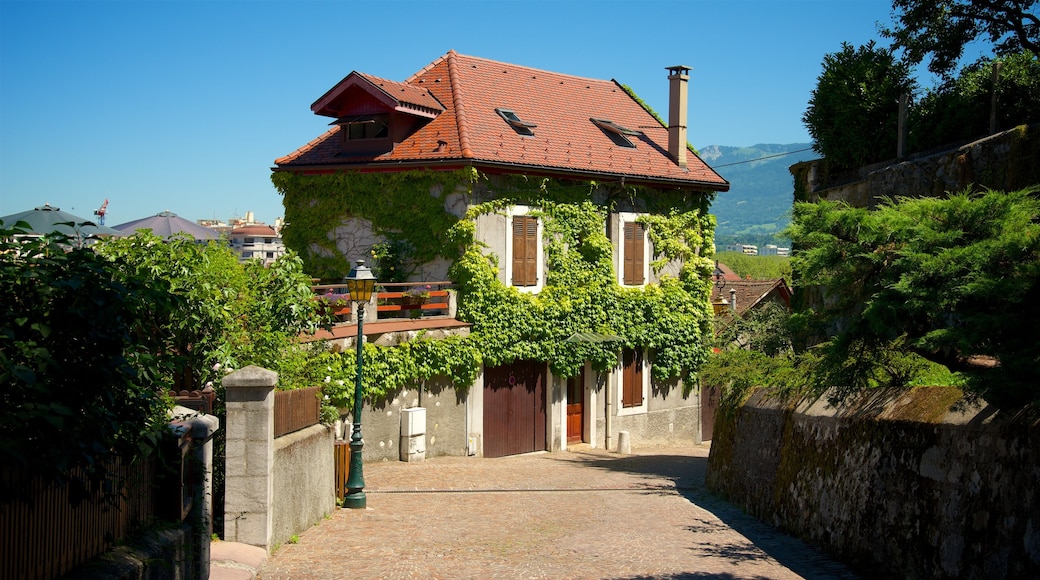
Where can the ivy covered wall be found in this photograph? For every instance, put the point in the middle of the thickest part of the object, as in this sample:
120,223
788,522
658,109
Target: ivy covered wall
430,217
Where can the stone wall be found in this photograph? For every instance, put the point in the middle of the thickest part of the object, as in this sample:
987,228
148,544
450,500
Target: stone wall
1005,161
304,475
896,485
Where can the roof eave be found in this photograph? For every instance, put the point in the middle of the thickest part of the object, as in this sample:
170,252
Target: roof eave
502,167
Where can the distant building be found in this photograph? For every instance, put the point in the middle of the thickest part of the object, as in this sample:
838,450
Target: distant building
773,250
743,249
256,242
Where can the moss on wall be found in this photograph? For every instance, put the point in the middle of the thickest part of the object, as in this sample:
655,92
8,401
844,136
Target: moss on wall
919,484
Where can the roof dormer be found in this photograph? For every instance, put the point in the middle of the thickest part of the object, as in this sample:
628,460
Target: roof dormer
373,113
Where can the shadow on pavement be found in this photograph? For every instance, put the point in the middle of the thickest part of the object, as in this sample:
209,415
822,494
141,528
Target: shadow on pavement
687,474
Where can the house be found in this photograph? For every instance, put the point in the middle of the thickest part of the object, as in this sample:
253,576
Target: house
572,220
256,242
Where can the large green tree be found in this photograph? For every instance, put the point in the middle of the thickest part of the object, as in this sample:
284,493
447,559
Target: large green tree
853,112
940,29
959,109
954,280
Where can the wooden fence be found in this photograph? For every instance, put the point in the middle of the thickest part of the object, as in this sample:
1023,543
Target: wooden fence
295,410
55,528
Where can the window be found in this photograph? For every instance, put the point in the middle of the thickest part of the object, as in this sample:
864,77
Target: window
519,125
358,127
247,254
525,251
633,253
618,134
270,255
248,241
631,378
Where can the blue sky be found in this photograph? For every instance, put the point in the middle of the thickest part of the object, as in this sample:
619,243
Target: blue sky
184,105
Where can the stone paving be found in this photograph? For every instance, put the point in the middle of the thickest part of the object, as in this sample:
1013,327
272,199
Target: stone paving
582,513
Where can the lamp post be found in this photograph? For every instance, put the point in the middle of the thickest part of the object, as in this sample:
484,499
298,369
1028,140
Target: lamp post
360,283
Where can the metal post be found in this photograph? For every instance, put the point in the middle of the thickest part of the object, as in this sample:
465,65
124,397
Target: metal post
355,496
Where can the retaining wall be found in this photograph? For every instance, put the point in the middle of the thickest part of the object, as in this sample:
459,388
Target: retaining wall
897,485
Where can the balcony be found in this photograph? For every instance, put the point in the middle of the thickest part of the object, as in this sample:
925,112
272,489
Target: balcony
404,300
399,307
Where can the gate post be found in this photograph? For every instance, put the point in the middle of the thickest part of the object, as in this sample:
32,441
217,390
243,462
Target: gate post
249,465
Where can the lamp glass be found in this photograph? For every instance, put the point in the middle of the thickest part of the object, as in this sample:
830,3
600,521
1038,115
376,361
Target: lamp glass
360,283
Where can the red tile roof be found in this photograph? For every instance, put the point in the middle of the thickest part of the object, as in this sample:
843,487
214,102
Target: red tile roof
467,130
255,230
749,293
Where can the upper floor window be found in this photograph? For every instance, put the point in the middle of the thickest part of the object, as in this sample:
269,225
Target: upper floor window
633,254
618,134
519,125
358,127
525,251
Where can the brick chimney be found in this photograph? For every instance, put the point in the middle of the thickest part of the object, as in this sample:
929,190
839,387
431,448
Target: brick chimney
678,79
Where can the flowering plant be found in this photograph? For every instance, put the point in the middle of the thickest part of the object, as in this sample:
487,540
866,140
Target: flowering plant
422,292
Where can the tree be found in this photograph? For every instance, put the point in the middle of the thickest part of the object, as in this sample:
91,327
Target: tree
942,28
955,280
79,370
959,109
853,112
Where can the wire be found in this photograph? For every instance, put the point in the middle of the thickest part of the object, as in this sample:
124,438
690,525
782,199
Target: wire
761,158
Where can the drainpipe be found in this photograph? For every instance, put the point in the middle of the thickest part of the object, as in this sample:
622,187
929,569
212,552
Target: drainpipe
678,81
733,300
608,420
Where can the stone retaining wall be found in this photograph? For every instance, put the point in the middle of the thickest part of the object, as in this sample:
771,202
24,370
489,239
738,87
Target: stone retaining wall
1005,161
896,485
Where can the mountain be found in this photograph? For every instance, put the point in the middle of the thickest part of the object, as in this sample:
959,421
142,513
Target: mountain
758,204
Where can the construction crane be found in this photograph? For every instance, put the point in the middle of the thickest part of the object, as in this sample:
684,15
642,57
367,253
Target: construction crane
100,213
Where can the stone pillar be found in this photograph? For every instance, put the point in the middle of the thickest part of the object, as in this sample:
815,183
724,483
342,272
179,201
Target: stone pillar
202,427
249,464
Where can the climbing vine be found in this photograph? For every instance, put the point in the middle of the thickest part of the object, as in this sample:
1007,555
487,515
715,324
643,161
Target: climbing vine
671,319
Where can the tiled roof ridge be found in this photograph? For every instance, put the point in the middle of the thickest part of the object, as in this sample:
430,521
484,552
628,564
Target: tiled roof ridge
457,103
533,69
314,143
427,68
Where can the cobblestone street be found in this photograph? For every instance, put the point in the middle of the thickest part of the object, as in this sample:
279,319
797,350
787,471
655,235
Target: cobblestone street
583,513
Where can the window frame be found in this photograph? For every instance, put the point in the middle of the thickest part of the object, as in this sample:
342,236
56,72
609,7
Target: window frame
641,358
623,219
512,214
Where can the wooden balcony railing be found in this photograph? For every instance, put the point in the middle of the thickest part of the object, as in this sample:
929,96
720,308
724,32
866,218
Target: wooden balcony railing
393,300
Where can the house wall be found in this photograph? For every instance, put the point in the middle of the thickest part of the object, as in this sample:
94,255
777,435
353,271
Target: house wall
670,418
915,484
447,430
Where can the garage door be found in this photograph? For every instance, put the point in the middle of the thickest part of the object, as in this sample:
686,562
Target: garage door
514,409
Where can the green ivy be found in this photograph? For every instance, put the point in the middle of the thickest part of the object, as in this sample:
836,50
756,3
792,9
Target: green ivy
671,319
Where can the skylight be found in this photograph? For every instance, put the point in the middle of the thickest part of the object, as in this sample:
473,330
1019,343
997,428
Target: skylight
617,133
514,120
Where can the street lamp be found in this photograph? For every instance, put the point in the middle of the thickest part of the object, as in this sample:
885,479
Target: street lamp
360,283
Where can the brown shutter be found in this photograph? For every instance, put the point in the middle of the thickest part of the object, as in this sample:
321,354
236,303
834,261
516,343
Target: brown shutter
633,254
525,251
632,379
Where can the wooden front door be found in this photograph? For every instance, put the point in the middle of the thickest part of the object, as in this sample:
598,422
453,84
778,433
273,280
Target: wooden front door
575,407
514,409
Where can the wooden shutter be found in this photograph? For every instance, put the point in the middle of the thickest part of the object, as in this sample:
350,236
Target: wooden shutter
633,253
632,379
525,251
